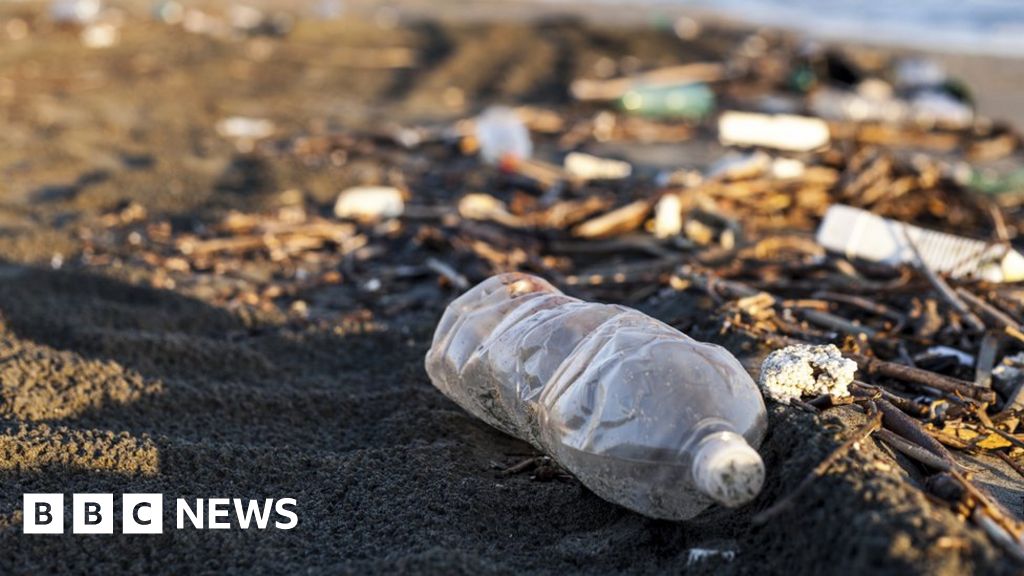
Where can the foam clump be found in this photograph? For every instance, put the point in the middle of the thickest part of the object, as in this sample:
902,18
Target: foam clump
806,370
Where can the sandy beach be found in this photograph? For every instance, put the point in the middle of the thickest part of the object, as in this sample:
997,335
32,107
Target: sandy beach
115,378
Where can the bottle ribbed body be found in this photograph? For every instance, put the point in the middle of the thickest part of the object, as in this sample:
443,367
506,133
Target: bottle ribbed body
628,404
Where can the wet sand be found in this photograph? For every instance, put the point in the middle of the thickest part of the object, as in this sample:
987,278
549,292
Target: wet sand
108,384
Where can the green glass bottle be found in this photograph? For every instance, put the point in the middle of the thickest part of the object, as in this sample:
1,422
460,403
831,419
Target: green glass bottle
691,101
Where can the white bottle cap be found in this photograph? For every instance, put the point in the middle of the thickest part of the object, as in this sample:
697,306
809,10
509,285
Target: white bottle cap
727,469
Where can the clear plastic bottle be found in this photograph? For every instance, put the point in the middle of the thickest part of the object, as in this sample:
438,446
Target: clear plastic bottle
642,414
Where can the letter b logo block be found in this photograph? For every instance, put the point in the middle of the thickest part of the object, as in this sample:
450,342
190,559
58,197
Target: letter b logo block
142,513
92,513
43,513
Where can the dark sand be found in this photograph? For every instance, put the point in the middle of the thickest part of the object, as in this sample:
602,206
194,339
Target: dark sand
107,385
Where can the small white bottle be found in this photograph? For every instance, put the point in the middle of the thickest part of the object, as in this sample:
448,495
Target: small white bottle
502,136
642,414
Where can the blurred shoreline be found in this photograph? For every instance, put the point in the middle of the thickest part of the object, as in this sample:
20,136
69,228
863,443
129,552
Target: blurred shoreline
978,27
996,80
993,69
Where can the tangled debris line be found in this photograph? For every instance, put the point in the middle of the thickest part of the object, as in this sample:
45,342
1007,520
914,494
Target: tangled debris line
938,354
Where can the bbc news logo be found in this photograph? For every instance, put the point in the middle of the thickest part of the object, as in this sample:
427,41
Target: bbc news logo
144,514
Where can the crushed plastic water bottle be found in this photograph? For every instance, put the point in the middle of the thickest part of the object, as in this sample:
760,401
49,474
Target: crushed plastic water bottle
642,414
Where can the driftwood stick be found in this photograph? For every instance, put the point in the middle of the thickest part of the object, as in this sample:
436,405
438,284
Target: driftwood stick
897,421
921,377
907,405
913,451
944,290
987,310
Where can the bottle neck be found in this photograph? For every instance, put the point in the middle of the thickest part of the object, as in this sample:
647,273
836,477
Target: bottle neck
726,469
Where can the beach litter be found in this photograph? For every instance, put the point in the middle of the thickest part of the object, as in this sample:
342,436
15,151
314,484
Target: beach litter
370,203
687,101
668,216
864,240
590,167
245,131
780,131
698,555
602,388
798,371
858,233
501,135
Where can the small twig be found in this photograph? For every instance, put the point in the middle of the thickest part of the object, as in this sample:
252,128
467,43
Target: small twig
449,273
995,511
1013,463
863,304
999,223
913,450
943,288
907,405
987,310
524,465
998,533
837,323
921,377
909,428
1016,333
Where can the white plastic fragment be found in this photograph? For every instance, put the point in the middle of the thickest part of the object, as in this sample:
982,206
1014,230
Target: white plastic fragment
743,166
873,101
244,127
806,370
858,233
962,358
740,166
698,555
1010,369
100,35
788,168
501,134
868,104
1008,377
370,203
781,131
590,167
915,72
668,216
936,107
